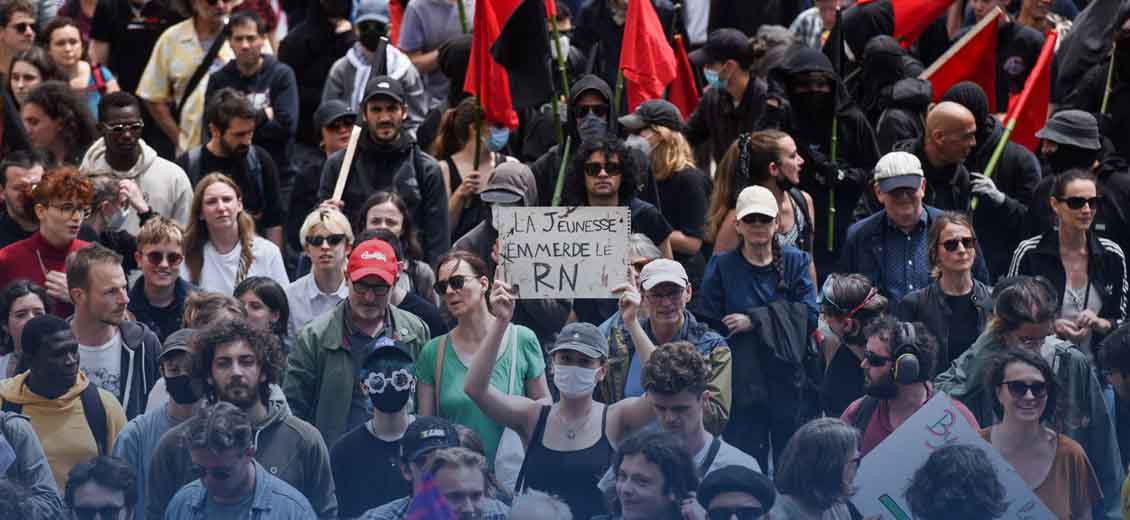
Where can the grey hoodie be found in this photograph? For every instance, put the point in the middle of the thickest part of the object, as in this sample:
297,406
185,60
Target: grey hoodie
165,185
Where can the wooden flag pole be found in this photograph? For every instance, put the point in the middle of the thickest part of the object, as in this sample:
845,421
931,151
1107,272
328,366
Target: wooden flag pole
960,44
1109,78
346,163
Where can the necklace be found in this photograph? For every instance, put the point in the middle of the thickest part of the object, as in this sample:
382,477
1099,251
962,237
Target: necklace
572,429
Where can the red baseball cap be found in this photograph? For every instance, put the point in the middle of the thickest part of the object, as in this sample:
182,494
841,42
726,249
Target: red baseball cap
373,257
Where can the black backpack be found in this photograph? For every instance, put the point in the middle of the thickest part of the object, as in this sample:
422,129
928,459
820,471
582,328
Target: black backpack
92,408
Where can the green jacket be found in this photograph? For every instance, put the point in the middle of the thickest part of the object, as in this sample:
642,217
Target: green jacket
320,375
1091,426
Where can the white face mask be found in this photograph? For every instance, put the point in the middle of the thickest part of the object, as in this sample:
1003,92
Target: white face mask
564,47
574,381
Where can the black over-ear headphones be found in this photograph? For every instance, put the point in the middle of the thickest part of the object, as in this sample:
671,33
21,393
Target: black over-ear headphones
907,366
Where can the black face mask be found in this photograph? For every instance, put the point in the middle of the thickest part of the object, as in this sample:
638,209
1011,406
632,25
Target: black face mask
592,127
813,105
1066,157
182,390
390,401
337,8
370,35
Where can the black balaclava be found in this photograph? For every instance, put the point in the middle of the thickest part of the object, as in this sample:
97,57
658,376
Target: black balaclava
971,96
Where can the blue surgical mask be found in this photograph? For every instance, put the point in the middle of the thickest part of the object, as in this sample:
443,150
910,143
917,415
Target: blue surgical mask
713,80
499,136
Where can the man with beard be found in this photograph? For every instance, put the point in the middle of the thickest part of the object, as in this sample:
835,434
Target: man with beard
897,366
116,354
390,159
237,364
19,171
231,123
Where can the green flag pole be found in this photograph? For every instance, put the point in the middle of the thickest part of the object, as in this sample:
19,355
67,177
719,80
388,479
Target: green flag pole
1109,78
561,173
463,17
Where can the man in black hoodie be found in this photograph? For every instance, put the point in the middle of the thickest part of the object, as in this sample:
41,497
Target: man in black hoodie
589,117
389,159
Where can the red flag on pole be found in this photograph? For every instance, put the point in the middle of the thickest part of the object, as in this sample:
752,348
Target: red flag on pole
684,91
646,58
396,20
912,17
550,9
485,77
972,58
1028,110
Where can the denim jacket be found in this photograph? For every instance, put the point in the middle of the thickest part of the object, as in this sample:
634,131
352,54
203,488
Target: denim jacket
273,500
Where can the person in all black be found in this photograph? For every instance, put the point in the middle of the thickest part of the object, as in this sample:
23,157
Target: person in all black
1018,48
334,121
389,159
19,171
848,305
589,117
885,63
231,122
951,135
905,114
600,35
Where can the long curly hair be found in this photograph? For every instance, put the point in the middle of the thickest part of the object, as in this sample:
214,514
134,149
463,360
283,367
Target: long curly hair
197,234
575,192
76,124
956,481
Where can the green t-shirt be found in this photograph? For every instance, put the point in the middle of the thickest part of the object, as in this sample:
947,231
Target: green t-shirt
454,404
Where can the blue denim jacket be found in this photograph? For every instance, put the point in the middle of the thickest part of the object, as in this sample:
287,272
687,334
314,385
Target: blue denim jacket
273,500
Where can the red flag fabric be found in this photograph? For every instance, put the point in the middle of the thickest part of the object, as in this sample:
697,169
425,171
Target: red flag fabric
972,58
485,77
912,17
684,91
1028,110
396,20
646,58
428,503
550,9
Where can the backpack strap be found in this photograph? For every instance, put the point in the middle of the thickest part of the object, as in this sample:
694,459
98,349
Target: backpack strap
95,413
535,440
255,170
439,370
9,406
380,68
711,454
201,70
99,79
863,414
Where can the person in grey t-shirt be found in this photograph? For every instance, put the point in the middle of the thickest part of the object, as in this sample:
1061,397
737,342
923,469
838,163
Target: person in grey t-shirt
426,25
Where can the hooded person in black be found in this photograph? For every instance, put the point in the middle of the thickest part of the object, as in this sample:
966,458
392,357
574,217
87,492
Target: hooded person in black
589,116
1011,188
905,115
885,62
816,96
1088,96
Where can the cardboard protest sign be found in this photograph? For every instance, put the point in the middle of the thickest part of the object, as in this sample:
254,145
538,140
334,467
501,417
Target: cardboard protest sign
886,471
559,252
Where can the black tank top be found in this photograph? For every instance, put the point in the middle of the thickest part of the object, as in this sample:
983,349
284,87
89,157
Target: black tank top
571,475
474,211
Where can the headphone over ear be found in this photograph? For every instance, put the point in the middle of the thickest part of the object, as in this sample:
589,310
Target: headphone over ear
907,366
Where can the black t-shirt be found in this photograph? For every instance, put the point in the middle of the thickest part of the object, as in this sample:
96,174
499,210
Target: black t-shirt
426,311
261,198
366,472
131,36
963,326
10,230
843,382
683,200
648,220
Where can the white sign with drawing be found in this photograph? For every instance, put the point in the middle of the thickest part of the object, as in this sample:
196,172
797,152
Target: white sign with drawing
886,471
559,252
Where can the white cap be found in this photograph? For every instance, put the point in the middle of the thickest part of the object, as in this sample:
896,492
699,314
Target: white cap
757,199
898,170
663,270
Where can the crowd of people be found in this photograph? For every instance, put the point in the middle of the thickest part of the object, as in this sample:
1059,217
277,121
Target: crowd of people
200,319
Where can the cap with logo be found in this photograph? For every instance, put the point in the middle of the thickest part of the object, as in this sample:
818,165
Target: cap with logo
663,270
582,337
1073,128
386,86
427,434
898,170
176,342
756,199
373,258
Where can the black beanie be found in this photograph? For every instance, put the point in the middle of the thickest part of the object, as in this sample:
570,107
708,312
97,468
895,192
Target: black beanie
970,95
736,478
37,330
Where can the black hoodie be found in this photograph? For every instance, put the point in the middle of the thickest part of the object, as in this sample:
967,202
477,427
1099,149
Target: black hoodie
547,166
311,49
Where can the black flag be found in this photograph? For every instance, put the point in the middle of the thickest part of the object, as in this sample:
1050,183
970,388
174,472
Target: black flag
522,48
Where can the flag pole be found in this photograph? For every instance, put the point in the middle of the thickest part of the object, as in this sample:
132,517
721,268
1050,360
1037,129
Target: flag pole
835,145
555,36
1109,78
561,173
463,16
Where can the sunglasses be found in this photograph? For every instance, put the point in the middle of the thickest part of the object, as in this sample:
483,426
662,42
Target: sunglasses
596,110
23,27
334,239
97,513
874,359
1020,389
123,128
593,169
757,218
456,282
377,383
967,242
1078,202
156,257
342,122
741,513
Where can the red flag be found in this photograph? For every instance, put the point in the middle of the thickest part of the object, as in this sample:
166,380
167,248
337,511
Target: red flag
396,19
550,9
684,91
427,502
912,17
972,58
1028,110
485,77
645,57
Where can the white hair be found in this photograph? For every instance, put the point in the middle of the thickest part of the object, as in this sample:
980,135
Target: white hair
536,505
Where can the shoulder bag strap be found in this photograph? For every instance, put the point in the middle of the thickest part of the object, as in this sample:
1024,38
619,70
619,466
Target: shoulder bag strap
535,439
715,445
201,70
95,414
439,369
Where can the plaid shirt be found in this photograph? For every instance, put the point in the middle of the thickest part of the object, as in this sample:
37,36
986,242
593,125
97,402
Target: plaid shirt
809,27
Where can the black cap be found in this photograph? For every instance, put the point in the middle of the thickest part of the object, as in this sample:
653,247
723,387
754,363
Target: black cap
176,342
658,112
331,111
384,346
722,45
736,478
384,86
427,434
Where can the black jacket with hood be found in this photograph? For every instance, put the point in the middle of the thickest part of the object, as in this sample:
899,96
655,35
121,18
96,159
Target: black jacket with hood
547,166
905,114
716,120
311,48
885,63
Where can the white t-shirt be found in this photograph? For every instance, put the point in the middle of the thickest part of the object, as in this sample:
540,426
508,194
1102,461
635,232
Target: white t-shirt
102,364
219,270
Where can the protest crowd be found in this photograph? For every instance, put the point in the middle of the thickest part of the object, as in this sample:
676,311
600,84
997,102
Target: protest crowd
564,259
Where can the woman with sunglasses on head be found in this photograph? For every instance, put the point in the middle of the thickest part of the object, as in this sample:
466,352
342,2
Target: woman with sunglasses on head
955,308
1088,272
1031,405
848,305
386,210
444,362
221,248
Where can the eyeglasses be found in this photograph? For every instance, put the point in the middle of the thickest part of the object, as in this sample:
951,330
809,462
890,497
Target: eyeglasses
318,240
216,473
378,289
1078,202
593,169
123,128
874,359
456,282
70,208
400,380
967,242
1020,389
757,219
741,513
97,513
156,257
667,296
596,110
342,122
24,27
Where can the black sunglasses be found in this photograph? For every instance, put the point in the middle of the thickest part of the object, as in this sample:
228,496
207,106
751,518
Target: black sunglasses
967,242
97,513
597,110
317,240
455,282
1078,202
1020,389
874,359
342,122
22,27
741,513
757,218
593,169
156,257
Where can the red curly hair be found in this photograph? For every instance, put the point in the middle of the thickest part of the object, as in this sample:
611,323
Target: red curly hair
61,183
